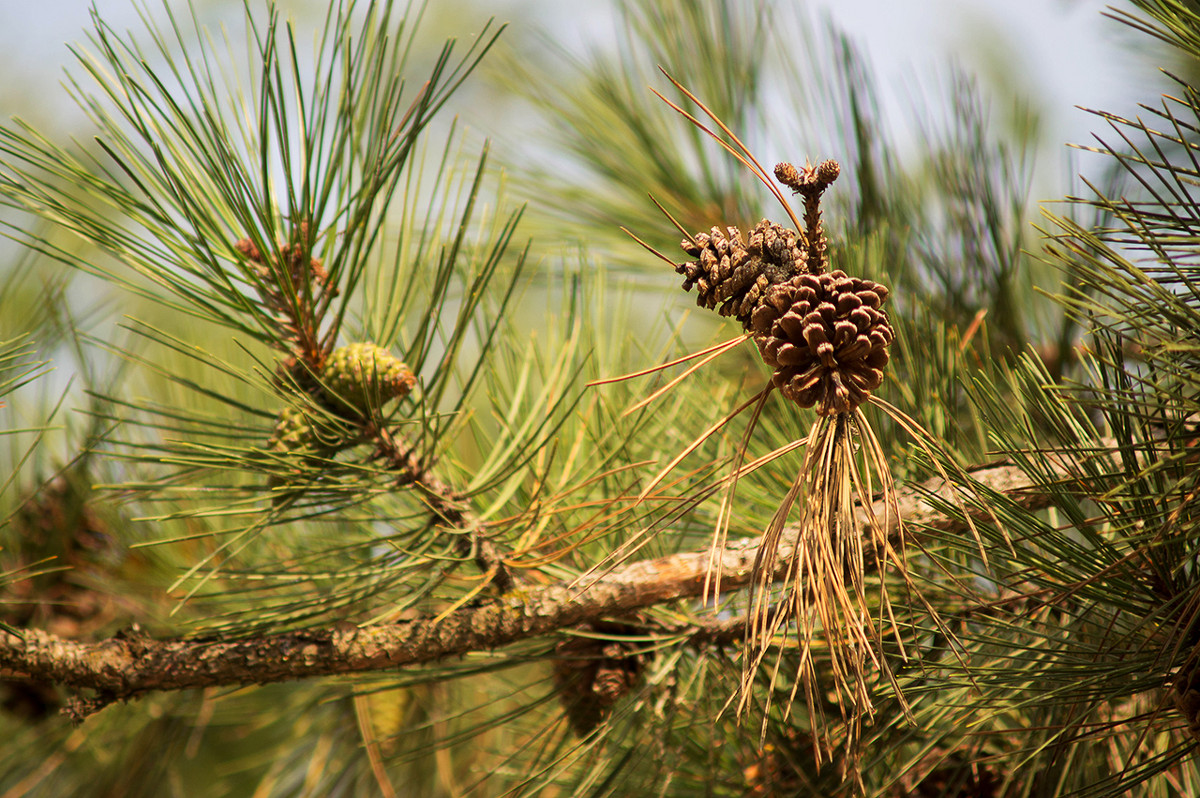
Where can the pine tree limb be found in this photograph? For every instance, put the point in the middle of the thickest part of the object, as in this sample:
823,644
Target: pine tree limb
130,665
447,505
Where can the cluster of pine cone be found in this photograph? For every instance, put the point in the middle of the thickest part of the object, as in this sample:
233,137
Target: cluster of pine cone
356,379
824,333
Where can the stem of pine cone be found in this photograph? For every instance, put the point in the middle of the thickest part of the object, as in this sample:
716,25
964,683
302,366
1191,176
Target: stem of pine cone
815,232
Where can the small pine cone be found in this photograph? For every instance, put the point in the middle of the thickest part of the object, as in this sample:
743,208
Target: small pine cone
591,676
361,376
732,276
808,179
1187,699
616,676
826,336
826,172
292,433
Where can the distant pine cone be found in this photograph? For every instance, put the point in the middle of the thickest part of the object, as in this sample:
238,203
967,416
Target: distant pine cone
363,375
592,675
1187,699
826,337
732,276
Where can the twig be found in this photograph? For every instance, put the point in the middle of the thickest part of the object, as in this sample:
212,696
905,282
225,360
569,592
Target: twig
128,666
449,508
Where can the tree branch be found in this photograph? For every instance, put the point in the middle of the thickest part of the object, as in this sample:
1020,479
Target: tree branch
447,505
130,665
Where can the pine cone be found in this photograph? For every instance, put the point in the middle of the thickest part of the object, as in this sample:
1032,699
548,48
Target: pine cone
362,375
1187,699
292,433
593,675
826,337
734,274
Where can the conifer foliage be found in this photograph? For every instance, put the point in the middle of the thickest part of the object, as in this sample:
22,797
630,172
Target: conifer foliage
313,484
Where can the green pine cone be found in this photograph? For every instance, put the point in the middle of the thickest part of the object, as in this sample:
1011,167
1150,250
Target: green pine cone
293,442
292,432
363,375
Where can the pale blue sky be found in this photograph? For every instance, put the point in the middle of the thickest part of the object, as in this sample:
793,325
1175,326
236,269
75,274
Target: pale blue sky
1089,59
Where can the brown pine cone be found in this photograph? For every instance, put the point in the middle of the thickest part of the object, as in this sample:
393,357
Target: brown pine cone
826,336
592,675
1187,699
734,274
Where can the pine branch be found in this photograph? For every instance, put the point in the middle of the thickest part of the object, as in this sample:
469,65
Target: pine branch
129,665
447,505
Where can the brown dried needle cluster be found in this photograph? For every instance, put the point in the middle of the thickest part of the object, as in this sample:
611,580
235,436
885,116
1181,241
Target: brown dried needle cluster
825,334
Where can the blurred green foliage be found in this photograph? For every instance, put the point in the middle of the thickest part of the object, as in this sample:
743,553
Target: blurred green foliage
138,485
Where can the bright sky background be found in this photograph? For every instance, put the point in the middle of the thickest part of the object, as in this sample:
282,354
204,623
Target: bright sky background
1088,59
1091,60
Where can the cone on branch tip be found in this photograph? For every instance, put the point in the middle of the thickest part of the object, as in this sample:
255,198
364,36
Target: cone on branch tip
810,182
808,179
361,376
824,333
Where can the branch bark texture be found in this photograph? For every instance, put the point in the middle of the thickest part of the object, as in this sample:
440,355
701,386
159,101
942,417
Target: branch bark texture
129,665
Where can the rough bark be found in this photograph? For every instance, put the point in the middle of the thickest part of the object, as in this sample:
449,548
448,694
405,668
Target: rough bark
131,664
